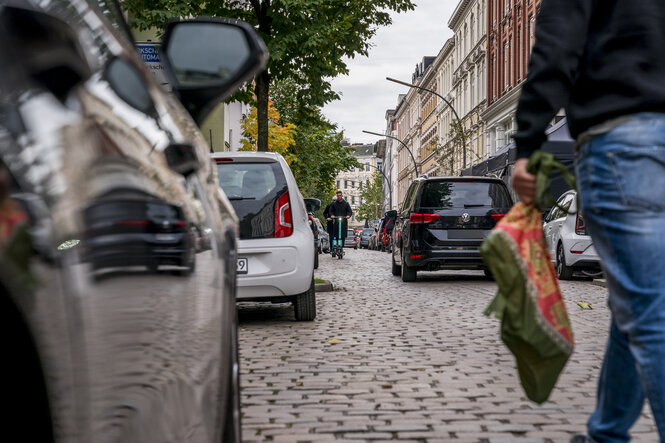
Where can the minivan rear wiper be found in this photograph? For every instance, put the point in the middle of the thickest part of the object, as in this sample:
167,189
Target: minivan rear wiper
473,206
242,198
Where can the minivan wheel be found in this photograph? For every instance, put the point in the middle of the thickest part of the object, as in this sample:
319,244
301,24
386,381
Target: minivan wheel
396,269
562,271
408,272
305,304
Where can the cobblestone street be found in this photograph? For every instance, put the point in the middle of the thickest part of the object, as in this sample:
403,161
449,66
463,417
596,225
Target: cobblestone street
417,362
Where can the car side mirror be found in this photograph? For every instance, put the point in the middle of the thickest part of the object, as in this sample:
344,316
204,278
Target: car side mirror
312,204
208,59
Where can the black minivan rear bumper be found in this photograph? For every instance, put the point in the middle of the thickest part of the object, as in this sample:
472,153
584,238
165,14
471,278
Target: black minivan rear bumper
447,259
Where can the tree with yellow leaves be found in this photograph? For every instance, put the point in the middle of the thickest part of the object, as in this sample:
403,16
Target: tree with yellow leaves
280,137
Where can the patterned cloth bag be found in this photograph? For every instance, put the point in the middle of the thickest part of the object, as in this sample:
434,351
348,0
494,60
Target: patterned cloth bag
534,321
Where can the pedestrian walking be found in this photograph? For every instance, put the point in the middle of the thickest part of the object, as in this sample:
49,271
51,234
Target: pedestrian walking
326,215
604,62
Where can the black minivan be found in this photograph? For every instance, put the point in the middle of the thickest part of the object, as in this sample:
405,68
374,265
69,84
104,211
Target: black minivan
443,221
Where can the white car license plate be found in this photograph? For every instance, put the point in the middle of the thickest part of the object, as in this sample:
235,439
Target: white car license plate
165,237
242,266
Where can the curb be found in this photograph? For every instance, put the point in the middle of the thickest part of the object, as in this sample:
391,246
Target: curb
326,286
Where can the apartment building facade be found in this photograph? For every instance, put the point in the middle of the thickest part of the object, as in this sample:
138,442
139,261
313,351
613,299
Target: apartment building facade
510,37
468,23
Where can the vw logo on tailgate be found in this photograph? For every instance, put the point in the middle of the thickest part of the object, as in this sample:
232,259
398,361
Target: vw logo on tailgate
466,217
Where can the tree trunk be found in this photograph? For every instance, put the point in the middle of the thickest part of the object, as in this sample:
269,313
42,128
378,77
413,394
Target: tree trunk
262,94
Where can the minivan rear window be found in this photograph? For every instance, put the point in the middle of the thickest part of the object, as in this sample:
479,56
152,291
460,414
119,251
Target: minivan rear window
253,189
464,194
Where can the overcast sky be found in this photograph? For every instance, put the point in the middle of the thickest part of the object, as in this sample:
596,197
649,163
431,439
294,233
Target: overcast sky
366,94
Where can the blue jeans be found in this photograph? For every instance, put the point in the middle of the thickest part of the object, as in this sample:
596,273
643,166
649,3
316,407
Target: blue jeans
621,176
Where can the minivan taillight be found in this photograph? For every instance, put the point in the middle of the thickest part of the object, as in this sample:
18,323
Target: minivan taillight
580,226
423,219
497,217
283,218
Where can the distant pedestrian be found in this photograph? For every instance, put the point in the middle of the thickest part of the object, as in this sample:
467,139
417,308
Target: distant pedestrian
326,215
605,63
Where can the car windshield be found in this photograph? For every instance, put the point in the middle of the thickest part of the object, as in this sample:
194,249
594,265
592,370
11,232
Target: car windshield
253,189
368,231
349,233
464,194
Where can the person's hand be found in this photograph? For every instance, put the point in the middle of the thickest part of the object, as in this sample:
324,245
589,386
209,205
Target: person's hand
329,218
348,217
524,183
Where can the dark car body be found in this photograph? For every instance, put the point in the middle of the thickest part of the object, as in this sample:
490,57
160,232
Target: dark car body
365,235
117,247
443,222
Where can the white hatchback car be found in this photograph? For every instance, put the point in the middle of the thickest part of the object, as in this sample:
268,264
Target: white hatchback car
276,245
569,244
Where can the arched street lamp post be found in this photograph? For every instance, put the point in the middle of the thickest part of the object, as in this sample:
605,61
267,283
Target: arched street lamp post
390,188
459,121
415,164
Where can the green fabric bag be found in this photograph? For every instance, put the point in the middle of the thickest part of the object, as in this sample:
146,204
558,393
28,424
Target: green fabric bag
534,321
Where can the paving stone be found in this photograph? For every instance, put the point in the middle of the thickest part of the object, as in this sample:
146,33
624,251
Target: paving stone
409,362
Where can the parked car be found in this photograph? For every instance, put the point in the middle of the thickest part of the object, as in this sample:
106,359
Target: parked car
276,250
324,237
373,239
443,222
364,237
386,231
569,244
117,249
351,240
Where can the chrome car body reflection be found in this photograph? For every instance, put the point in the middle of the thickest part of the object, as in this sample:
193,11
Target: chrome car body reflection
87,190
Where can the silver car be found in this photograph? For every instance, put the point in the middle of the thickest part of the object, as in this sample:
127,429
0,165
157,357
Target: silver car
117,250
569,244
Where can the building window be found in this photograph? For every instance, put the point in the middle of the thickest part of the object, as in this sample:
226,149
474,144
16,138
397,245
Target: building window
353,184
505,66
472,22
532,27
366,167
465,39
346,184
471,81
353,199
337,184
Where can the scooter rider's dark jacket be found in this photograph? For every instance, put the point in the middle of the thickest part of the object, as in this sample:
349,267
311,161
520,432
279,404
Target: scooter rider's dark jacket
340,209
598,59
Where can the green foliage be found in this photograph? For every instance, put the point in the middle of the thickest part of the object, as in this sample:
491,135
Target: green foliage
308,40
319,156
458,139
372,199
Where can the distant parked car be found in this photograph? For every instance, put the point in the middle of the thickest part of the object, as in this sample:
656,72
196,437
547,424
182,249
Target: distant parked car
351,240
373,239
276,247
364,237
570,246
443,222
324,238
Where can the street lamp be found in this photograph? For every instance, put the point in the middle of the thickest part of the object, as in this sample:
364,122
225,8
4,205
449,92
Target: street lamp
459,121
390,188
415,165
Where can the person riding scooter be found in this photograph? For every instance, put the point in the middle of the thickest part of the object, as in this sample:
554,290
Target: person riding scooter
339,208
